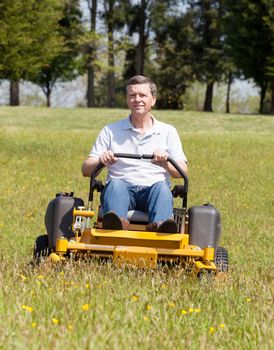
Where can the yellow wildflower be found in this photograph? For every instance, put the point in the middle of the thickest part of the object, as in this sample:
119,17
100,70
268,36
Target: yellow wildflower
248,300
190,310
183,312
211,330
146,318
149,307
87,285
222,325
40,277
34,325
197,310
55,321
23,278
27,308
134,298
85,307
70,327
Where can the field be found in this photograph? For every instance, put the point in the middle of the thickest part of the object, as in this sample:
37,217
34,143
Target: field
99,306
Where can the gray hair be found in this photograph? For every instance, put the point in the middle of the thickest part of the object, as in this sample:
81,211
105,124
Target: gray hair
140,79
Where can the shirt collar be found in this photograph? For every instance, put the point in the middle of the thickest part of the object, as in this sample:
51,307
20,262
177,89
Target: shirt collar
154,130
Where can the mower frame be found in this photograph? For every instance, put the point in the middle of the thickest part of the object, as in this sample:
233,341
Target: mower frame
134,247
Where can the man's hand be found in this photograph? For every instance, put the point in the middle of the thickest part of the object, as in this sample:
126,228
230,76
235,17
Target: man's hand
160,158
107,158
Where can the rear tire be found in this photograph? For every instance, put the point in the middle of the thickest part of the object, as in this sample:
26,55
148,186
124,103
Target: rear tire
221,259
41,248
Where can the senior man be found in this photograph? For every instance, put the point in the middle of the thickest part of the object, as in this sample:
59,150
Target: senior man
142,185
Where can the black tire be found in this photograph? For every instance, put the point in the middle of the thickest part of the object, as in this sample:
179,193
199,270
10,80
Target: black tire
41,248
221,259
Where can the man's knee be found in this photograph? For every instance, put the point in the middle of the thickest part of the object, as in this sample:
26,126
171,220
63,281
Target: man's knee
116,185
161,188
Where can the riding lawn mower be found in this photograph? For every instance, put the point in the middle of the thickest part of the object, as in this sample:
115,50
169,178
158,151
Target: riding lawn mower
75,231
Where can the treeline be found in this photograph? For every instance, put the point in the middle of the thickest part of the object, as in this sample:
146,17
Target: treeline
174,42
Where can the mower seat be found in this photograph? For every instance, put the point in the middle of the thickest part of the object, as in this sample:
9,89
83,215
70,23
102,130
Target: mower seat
133,216
137,216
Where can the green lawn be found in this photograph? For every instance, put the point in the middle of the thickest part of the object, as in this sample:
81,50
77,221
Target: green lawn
95,306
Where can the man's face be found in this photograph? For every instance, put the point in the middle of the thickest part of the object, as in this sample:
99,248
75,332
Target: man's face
139,99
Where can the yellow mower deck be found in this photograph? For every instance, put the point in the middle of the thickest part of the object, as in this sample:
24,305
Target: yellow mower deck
141,249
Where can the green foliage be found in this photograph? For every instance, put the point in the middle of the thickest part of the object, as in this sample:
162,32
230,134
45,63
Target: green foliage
174,61
67,65
208,48
28,36
97,306
249,30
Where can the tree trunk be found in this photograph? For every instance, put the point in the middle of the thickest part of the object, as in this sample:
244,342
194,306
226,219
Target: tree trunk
14,93
262,96
272,99
90,88
208,98
228,93
48,95
140,51
91,56
111,75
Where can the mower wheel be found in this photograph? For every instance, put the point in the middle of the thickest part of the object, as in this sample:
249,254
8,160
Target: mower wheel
221,259
41,248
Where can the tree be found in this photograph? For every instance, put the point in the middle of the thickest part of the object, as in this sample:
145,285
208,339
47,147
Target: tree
91,53
113,17
139,20
208,49
66,65
26,43
173,71
249,31
269,22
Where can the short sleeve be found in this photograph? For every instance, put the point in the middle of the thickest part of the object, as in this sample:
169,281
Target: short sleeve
175,149
102,143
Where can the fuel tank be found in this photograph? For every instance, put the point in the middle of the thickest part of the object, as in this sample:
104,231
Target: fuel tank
204,226
59,216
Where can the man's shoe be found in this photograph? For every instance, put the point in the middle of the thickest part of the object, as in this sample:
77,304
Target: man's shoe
111,221
168,226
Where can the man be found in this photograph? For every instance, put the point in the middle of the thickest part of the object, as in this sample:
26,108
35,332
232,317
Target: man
138,184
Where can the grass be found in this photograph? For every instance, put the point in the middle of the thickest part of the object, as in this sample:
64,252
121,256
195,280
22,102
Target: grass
99,306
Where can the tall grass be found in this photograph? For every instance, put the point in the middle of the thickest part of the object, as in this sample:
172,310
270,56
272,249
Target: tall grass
99,306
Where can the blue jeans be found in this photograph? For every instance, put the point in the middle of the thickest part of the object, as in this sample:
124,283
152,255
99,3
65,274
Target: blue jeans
156,200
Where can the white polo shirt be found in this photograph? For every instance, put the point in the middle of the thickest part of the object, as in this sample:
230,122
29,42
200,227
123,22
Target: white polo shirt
122,137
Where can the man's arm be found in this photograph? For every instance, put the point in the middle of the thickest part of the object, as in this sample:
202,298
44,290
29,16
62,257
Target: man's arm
89,165
107,158
173,172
